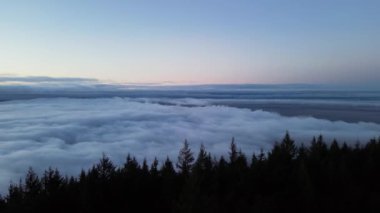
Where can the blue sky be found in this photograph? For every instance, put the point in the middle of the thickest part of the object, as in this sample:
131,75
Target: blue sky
205,41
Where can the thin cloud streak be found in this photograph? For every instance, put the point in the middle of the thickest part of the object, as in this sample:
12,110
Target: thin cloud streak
42,79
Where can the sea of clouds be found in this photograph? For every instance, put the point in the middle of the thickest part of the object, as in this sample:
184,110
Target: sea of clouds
68,123
71,133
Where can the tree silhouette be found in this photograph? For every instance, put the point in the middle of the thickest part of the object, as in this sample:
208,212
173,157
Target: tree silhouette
167,168
154,167
185,159
203,162
233,151
319,177
105,168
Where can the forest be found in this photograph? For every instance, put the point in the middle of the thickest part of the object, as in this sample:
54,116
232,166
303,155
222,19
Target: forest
320,177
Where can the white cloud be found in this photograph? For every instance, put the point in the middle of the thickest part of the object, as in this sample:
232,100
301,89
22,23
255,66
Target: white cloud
71,134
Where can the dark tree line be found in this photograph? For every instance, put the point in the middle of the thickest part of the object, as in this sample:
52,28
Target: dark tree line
320,177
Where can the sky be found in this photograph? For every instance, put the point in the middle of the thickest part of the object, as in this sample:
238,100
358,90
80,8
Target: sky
193,42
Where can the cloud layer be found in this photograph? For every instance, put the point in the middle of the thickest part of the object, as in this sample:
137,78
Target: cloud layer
71,134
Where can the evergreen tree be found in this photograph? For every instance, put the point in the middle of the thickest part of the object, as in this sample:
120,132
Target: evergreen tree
233,151
185,159
105,168
167,169
145,168
288,147
32,190
2,204
131,166
154,167
33,184
203,161
52,181
16,197
241,161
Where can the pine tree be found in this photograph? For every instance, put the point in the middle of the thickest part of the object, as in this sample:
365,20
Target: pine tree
145,168
284,152
185,159
105,168
233,151
33,189
154,167
288,147
241,161
167,168
52,181
33,184
131,166
203,161
16,196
